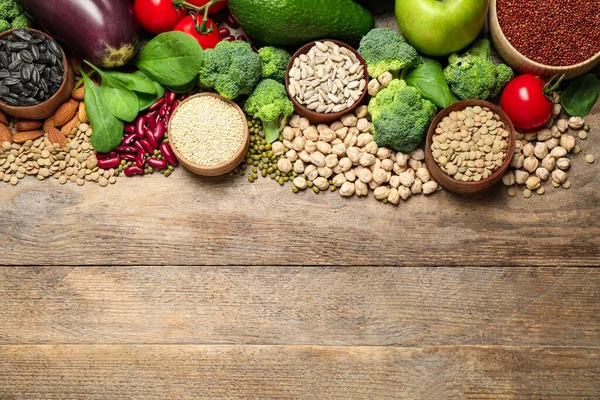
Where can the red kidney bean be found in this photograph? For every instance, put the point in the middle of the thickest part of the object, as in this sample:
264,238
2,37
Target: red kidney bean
157,164
129,139
159,132
174,106
129,128
101,156
183,97
133,170
167,119
156,105
140,159
150,122
231,21
108,163
139,128
139,145
146,145
127,149
229,38
128,157
152,114
170,97
163,110
167,152
150,138
224,32
242,37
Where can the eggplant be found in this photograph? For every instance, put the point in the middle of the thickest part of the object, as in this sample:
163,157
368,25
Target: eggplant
101,31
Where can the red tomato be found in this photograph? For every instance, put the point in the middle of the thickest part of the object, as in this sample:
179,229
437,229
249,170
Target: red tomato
208,36
524,101
212,9
158,16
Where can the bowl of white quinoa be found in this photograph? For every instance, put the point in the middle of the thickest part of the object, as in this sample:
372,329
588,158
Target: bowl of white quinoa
209,134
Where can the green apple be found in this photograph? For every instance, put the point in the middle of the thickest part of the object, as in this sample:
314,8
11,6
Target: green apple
441,27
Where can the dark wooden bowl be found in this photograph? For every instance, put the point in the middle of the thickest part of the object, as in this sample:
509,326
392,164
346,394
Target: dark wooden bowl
46,108
220,169
445,180
323,118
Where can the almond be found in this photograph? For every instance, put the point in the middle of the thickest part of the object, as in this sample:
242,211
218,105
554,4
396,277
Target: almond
22,137
70,128
56,136
5,134
65,113
79,93
48,123
3,118
83,113
23,126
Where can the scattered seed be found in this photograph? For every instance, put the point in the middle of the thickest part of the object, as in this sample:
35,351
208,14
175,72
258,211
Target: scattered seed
527,193
590,158
512,192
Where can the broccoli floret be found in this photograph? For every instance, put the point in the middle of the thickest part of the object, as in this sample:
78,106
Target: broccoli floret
274,62
400,117
4,25
15,11
6,9
231,68
269,102
385,50
473,74
22,21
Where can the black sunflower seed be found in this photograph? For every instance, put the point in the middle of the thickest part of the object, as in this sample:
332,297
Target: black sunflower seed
26,56
17,46
10,81
28,101
23,34
10,100
35,52
25,73
55,48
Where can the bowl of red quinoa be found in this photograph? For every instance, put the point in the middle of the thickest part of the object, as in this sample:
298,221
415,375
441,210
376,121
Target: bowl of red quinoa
547,37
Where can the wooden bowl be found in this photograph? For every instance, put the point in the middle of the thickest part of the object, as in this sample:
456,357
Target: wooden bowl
446,180
46,108
323,118
221,168
523,64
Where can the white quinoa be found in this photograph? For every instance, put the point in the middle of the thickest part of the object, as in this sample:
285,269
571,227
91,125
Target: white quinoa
207,130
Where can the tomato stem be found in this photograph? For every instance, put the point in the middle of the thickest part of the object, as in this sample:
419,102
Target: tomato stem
552,85
185,4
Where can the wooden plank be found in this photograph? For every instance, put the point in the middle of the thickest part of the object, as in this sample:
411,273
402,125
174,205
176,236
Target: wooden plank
188,220
304,306
298,372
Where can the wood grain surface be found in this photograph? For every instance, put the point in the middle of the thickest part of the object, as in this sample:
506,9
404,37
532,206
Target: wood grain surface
190,220
296,372
300,306
199,288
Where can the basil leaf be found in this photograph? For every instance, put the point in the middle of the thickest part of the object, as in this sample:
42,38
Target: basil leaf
133,82
428,79
108,130
171,59
581,95
122,102
184,88
146,100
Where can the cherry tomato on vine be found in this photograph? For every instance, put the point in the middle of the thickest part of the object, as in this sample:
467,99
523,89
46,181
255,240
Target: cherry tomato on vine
207,35
212,9
525,101
158,16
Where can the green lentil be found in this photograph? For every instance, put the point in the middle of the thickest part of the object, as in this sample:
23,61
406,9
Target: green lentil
316,190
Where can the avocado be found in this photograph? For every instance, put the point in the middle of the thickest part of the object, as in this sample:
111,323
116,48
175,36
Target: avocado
378,6
295,22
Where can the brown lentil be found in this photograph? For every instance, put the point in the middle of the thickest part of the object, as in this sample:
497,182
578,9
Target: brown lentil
552,32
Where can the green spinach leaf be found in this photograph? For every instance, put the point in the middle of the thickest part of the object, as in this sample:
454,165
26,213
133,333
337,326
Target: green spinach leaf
171,59
184,88
146,100
133,82
428,79
122,102
581,95
108,130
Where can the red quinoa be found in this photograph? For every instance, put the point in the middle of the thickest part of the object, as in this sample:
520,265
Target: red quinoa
552,32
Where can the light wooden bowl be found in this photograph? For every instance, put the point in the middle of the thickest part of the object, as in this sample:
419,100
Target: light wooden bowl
323,118
46,108
220,169
445,180
523,64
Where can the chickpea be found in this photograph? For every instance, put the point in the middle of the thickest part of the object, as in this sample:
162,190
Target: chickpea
367,159
294,121
347,189
299,167
395,181
417,154
298,144
363,125
321,183
406,179
339,180
542,173
331,160
361,112
304,156
349,120
318,159
327,135
402,159
345,164
325,172
372,148
365,175
284,165
394,196
417,187
364,139
311,172
430,187
339,149
311,133
350,140
404,192
381,193
423,175
342,132
299,182
292,155
353,154
277,148
288,133
324,147
350,175
361,188
387,164
509,178
336,125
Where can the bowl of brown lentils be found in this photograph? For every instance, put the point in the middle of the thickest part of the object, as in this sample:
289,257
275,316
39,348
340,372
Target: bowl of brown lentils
547,37
469,146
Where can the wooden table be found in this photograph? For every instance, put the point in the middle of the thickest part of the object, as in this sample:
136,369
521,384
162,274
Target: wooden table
191,288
